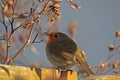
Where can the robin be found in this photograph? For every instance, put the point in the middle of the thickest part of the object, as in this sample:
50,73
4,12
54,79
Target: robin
64,53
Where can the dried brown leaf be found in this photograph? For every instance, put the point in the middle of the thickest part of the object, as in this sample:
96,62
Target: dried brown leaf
72,28
111,47
7,9
22,37
117,34
10,2
75,6
102,65
16,16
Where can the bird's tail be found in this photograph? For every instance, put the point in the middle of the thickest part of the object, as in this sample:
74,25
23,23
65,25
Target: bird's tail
84,64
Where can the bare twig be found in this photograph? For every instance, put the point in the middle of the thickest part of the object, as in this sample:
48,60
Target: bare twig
7,40
24,46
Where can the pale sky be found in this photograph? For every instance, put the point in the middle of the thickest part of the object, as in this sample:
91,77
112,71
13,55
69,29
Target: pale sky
97,20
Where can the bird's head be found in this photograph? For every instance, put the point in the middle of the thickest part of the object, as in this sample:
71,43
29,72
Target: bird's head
56,36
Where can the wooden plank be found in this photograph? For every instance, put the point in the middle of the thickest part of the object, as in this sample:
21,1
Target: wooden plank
8,72
50,74
18,73
68,75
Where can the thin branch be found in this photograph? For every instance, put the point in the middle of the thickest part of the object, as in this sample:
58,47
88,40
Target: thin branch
24,46
37,18
112,54
11,21
44,27
47,25
38,41
44,7
4,24
107,71
7,40
23,24
35,37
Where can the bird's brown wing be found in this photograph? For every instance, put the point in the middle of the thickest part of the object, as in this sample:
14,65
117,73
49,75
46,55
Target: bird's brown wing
80,59
68,56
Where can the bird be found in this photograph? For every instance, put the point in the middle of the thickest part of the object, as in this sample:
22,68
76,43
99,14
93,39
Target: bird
64,53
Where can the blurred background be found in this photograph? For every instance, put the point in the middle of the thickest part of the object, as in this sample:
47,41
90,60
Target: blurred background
98,20
96,23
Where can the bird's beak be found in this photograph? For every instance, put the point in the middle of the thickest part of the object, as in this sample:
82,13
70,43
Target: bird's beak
46,33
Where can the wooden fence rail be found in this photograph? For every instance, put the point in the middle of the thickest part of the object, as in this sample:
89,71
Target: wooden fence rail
8,72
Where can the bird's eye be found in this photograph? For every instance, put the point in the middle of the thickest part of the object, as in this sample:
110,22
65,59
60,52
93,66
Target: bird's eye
55,36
